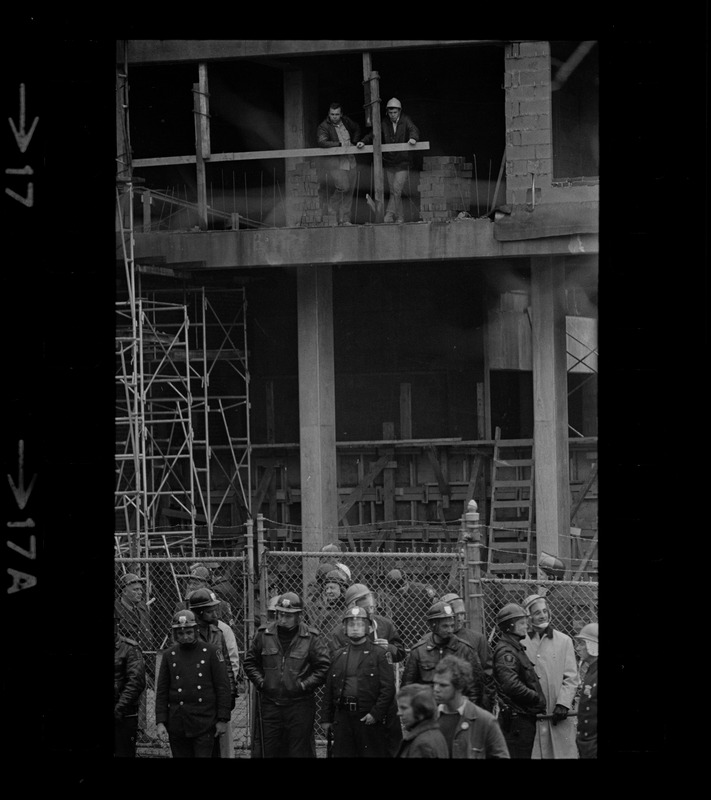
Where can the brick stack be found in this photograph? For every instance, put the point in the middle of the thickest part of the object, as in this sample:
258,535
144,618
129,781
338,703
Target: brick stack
303,189
445,187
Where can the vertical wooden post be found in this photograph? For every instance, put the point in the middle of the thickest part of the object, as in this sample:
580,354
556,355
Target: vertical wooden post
202,141
250,573
373,98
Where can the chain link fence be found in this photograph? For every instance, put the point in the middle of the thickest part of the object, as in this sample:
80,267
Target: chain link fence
404,584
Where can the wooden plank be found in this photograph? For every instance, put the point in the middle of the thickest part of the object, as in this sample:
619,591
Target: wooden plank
262,155
471,487
357,493
441,480
261,492
585,561
583,492
269,390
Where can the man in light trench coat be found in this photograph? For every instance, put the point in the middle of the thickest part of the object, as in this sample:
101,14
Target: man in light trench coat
553,656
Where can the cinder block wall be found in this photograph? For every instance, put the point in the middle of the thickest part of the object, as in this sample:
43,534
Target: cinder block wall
445,187
303,191
529,147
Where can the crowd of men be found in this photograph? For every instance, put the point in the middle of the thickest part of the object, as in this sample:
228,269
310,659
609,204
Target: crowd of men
340,662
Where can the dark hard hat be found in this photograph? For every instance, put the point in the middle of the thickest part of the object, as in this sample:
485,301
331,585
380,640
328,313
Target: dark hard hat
202,598
331,548
440,610
129,578
356,592
200,572
184,619
508,612
289,603
395,576
355,612
588,632
455,601
322,571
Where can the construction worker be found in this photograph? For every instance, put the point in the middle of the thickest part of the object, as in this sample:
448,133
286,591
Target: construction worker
586,647
338,130
204,603
396,128
421,736
360,688
287,661
438,643
134,619
192,692
520,694
327,612
410,601
470,731
553,655
478,641
129,684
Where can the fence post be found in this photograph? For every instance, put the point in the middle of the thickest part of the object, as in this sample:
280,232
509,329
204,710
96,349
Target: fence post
259,564
471,533
249,541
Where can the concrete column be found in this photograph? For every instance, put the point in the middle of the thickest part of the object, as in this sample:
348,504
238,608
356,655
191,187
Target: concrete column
300,122
317,406
550,413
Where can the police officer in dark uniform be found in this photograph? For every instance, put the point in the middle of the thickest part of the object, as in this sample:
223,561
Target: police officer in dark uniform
410,601
360,689
287,661
520,694
192,692
437,644
129,683
586,647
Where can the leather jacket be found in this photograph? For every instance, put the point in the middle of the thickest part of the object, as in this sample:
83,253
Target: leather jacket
129,676
286,677
519,687
405,130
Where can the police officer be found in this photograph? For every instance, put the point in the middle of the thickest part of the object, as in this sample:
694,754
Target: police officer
520,693
287,661
204,604
586,647
478,641
200,577
360,689
129,683
437,644
192,692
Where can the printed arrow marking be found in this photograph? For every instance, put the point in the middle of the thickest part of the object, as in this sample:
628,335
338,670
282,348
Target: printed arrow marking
21,496
26,201
21,137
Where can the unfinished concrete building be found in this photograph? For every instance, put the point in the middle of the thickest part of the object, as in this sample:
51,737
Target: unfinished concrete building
360,382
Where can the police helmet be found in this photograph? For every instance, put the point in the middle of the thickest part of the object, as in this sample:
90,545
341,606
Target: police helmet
289,603
508,612
440,610
356,592
455,601
336,576
588,632
202,598
356,612
184,619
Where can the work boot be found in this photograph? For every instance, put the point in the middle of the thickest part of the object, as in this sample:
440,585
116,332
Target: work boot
399,219
389,217
346,221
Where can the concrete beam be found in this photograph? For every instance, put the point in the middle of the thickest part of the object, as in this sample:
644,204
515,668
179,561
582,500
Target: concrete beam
550,412
414,241
180,51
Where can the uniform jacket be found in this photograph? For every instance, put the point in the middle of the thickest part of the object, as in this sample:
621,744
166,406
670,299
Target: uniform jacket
277,673
193,690
404,131
587,714
553,656
383,628
129,676
376,682
232,649
425,740
327,136
425,656
213,633
478,735
519,687
135,623
481,646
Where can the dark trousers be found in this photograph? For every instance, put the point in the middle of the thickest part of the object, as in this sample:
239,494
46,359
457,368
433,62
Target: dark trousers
125,731
287,731
194,746
587,748
520,734
354,739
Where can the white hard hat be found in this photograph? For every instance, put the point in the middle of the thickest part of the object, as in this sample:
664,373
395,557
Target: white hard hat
393,102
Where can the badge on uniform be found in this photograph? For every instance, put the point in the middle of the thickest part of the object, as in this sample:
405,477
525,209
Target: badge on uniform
509,659
587,691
